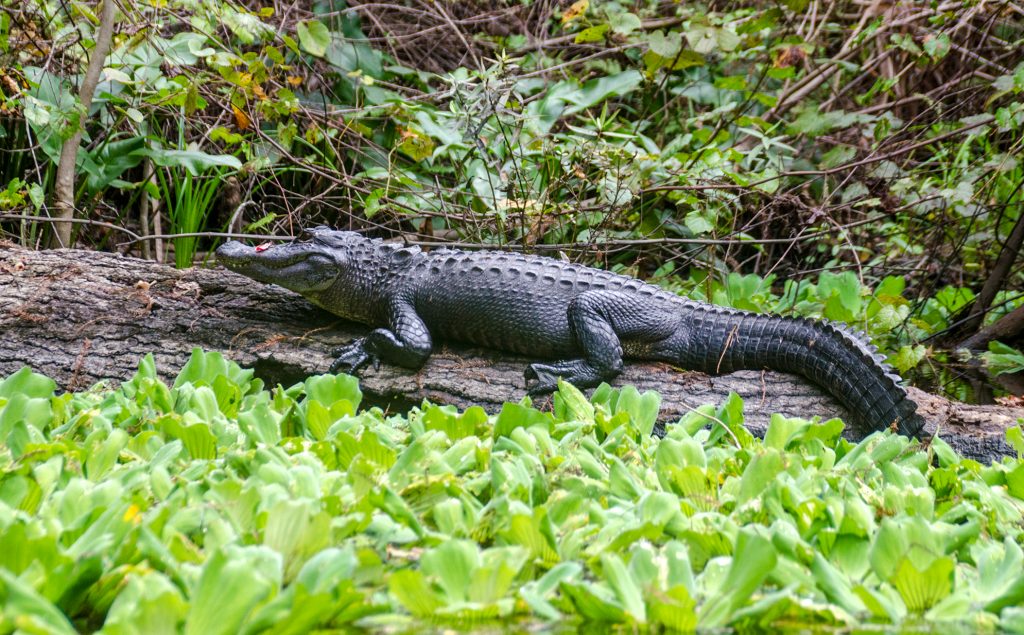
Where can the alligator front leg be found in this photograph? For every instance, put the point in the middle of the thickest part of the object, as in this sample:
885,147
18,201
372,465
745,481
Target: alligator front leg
599,320
407,343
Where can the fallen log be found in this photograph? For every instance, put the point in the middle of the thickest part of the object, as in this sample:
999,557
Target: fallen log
83,316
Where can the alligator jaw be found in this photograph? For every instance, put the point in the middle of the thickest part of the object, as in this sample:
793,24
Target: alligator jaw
298,266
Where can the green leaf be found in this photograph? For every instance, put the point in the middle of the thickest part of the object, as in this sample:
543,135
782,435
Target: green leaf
149,604
194,161
260,223
625,586
371,205
1011,620
675,609
936,45
781,429
28,397
592,34
727,39
836,586
463,575
597,90
665,45
1001,359
594,602
355,57
21,605
106,163
492,580
698,223
922,590
624,23
318,419
838,155
1015,437
513,416
1000,573
731,82
752,561
841,294
680,61
261,424
233,581
413,593
1015,482
314,37
526,531
333,389
642,408
759,474
537,593
573,404
28,383
296,531
907,357
200,443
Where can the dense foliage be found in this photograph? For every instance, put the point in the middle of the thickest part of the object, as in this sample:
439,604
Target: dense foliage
217,506
721,148
832,158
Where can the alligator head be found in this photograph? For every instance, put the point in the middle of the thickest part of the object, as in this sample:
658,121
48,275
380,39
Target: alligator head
308,265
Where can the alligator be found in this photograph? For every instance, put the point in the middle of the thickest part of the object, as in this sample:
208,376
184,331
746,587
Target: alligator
580,322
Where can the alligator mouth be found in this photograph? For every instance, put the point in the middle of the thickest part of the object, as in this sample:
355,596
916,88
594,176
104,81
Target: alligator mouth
276,265
234,255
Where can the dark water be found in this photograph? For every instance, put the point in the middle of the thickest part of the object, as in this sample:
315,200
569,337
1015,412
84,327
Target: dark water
965,381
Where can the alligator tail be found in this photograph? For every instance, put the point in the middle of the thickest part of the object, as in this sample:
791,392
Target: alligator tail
828,354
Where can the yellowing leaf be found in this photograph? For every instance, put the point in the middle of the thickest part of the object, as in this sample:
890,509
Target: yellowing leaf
577,9
416,145
241,119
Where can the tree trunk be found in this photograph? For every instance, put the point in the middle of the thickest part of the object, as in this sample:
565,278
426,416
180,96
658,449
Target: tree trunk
1006,329
82,316
996,279
64,181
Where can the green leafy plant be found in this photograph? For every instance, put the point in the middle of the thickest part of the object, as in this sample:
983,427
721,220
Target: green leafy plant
189,199
213,505
1001,358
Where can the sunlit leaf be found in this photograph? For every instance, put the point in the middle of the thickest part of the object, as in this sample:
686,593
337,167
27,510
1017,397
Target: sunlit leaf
313,37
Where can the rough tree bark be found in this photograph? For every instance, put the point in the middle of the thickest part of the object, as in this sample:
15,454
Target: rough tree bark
81,316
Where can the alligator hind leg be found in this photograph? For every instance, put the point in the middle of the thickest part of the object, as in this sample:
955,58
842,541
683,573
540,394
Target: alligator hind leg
599,321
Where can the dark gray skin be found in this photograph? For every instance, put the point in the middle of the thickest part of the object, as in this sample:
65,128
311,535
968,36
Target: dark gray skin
586,319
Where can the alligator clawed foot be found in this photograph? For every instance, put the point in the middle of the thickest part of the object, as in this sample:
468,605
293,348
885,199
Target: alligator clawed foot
541,379
353,357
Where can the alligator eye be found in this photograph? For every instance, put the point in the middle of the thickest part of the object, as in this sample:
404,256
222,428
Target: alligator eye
305,235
